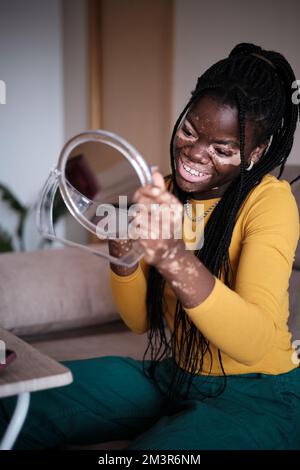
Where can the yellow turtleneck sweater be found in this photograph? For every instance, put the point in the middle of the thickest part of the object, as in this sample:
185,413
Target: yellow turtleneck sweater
247,322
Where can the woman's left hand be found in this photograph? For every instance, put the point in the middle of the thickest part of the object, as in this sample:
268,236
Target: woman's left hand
158,227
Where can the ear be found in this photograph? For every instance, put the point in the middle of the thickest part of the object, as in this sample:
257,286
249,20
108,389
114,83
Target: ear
257,153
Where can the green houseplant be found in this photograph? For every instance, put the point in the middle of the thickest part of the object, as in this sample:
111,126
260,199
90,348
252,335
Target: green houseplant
21,211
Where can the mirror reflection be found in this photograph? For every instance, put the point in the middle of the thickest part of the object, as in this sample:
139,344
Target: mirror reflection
98,174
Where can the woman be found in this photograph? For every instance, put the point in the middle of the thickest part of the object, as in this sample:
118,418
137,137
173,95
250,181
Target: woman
225,303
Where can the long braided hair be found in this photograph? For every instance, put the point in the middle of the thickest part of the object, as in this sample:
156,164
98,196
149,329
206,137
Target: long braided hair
262,93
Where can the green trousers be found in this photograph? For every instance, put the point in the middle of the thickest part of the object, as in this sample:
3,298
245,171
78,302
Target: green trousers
111,399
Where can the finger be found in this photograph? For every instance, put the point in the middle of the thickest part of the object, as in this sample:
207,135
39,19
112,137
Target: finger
144,204
158,180
143,191
165,197
149,191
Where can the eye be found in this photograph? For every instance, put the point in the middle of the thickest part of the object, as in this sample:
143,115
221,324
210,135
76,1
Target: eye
223,153
187,132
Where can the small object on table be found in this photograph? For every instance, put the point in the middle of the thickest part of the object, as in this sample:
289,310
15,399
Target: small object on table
28,371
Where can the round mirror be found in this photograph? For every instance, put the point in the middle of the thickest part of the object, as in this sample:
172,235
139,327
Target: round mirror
97,177
97,174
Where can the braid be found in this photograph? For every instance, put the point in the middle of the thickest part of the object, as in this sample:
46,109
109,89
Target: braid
259,84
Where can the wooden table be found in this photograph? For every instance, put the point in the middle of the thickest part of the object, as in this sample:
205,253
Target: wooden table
29,372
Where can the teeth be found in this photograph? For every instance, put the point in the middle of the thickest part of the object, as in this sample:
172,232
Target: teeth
193,172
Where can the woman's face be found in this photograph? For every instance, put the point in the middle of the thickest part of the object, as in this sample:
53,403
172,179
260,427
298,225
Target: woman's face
207,153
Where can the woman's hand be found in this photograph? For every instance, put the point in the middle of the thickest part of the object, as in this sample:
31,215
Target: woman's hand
157,228
191,281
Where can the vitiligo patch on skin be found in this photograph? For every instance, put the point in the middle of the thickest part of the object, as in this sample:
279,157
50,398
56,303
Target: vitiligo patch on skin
184,278
150,252
234,159
176,284
169,255
174,267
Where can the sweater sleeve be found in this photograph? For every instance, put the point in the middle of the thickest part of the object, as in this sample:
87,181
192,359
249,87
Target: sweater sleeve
129,294
242,322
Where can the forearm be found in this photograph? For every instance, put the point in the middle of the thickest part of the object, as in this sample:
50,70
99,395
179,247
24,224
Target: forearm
129,294
129,287
191,281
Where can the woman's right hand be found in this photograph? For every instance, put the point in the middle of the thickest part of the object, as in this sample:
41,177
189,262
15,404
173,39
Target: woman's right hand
118,247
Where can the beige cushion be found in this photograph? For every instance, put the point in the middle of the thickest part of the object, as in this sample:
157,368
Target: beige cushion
53,290
112,339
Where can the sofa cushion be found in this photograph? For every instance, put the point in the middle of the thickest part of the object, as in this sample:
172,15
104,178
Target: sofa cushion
111,339
54,289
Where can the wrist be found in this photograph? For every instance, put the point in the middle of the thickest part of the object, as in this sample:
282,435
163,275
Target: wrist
119,248
170,255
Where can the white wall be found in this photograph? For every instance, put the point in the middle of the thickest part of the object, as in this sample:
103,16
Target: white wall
205,32
43,55
31,121
75,62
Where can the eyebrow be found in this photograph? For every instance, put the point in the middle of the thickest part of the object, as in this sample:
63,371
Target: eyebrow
220,141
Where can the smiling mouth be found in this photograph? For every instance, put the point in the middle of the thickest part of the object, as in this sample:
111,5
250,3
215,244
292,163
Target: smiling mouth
190,175
192,170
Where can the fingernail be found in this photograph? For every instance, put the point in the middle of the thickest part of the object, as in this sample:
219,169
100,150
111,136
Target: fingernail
155,191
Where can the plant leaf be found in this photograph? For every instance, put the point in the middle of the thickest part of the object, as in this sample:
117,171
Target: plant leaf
5,241
59,207
8,197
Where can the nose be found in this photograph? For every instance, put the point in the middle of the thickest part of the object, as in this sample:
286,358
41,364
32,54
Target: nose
198,153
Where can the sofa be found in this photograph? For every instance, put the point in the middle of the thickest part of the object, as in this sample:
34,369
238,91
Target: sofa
59,300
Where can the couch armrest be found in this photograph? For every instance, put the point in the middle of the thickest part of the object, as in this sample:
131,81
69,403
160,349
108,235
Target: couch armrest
56,289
